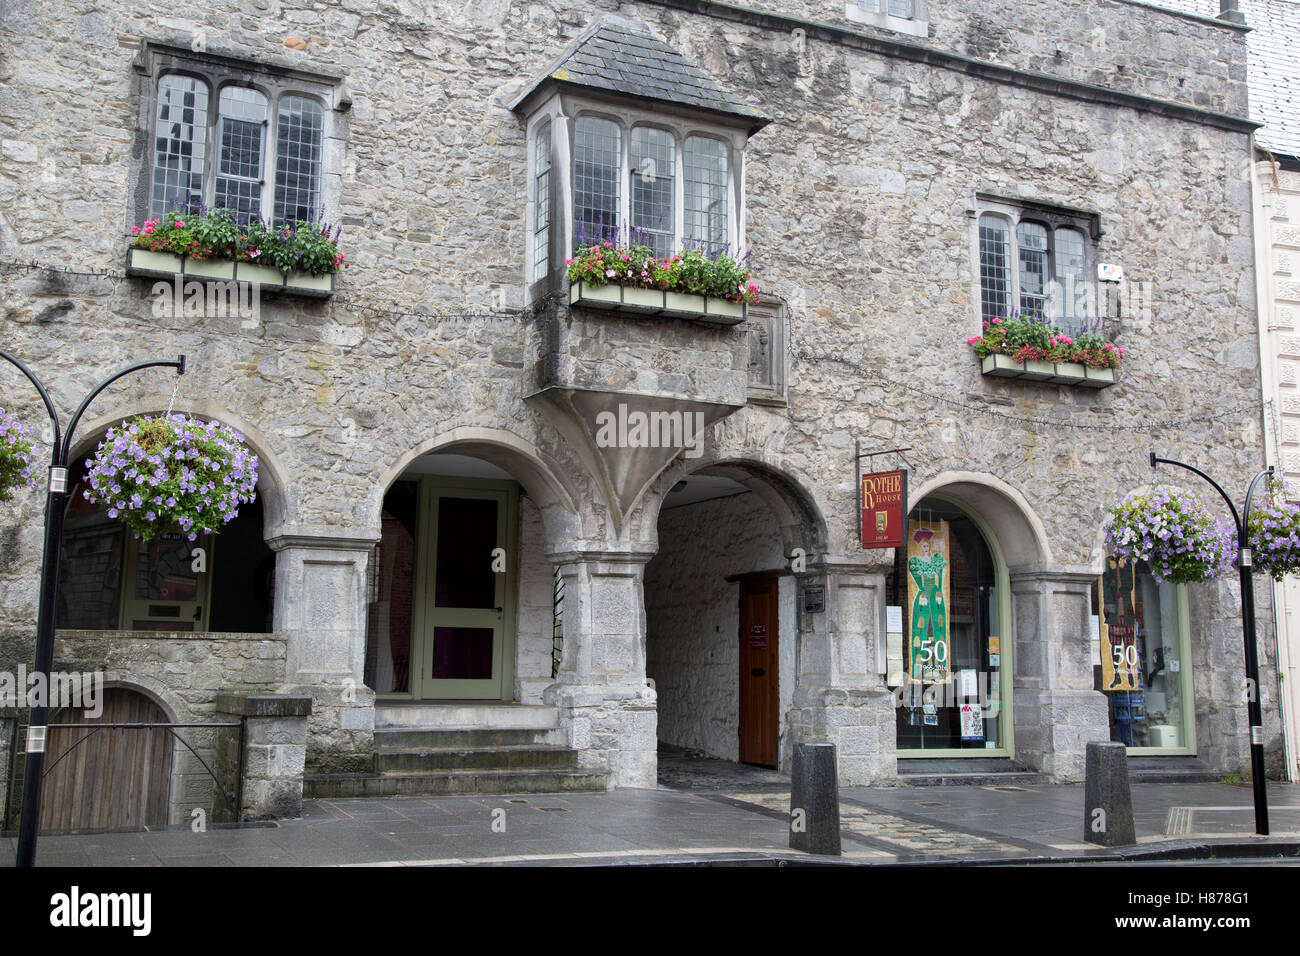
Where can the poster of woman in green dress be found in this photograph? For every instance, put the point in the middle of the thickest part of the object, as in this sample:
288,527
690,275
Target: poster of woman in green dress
927,588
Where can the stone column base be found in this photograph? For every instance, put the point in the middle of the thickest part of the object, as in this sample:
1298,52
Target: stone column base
860,723
275,750
614,730
1054,728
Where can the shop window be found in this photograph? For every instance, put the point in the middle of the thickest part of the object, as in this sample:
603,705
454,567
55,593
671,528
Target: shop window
109,580
240,137
1140,658
944,640
1036,260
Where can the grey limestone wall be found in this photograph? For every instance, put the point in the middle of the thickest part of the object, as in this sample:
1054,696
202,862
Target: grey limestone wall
184,673
859,200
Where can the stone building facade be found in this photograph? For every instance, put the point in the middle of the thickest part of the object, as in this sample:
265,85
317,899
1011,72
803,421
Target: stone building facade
445,399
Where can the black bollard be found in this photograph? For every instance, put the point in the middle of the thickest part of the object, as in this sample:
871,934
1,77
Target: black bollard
815,800
1108,803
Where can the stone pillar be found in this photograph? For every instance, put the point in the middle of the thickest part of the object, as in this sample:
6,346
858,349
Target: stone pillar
1056,712
841,697
321,606
274,753
605,706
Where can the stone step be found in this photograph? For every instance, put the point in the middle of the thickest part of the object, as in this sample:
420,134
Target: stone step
454,782
465,716
1172,775
430,760
413,738
1024,779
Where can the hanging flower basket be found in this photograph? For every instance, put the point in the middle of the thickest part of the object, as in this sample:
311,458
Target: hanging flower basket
1273,533
1173,532
163,475
15,456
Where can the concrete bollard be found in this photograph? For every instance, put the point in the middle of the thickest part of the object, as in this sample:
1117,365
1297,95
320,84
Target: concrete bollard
1108,803
815,800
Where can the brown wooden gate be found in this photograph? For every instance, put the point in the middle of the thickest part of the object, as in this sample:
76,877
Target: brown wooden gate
115,778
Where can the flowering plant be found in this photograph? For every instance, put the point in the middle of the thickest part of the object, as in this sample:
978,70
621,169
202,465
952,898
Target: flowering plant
1173,532
1025,336
163,474
689,271
15,456
216,234
1273,532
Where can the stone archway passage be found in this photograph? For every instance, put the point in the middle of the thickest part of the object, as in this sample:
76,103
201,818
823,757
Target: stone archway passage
116,779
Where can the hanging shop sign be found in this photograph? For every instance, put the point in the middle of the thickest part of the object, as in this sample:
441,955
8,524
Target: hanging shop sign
927,591
884,509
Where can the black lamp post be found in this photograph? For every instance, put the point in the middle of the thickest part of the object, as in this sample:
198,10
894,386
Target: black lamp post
1244,562
55,506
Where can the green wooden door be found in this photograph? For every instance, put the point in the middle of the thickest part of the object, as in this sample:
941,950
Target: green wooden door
465,599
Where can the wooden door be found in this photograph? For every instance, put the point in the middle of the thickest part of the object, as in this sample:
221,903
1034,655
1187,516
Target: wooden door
115,779
759,698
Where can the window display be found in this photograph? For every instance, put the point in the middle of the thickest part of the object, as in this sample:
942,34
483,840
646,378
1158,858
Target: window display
1138,659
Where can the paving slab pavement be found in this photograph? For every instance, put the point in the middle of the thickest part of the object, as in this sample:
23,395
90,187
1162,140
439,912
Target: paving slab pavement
736,818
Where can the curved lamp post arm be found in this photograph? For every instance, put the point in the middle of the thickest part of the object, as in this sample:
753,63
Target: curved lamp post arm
1241,540
1245,509
45,396
178,364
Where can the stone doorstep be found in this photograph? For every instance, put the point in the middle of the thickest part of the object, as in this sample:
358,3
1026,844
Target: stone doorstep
1005,778
455,782
464,716
434,759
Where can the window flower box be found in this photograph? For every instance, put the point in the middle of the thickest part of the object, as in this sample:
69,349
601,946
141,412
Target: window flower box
633,301
220,269
1037,370
142,262
263,275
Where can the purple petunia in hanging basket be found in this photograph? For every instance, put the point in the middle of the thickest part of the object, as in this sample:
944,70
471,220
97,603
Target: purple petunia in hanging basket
163,475
1173,531
15,456
1273,532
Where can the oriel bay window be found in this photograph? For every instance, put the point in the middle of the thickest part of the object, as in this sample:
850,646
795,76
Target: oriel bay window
629,142
227,135
662,188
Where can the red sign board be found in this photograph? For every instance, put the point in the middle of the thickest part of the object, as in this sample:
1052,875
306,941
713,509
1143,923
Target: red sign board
884,509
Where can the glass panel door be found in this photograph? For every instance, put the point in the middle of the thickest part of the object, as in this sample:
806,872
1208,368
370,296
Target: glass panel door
467,592
168,588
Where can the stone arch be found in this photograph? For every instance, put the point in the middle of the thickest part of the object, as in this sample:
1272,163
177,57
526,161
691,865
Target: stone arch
279,501
1019,531
798,513
504,449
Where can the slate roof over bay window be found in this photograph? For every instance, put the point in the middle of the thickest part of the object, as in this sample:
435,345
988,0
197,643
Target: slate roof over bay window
622,56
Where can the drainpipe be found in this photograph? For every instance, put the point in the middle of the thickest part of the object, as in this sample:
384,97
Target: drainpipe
1228,10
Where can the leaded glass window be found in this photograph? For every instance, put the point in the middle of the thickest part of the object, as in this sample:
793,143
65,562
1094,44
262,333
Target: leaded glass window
1031,237
597,168
1071,276
180,143
542,202
242,135
995,278
706,192
654,185
300,138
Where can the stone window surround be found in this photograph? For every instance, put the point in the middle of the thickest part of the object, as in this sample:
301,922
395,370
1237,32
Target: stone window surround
916,25
1015,210
561,111
273,80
